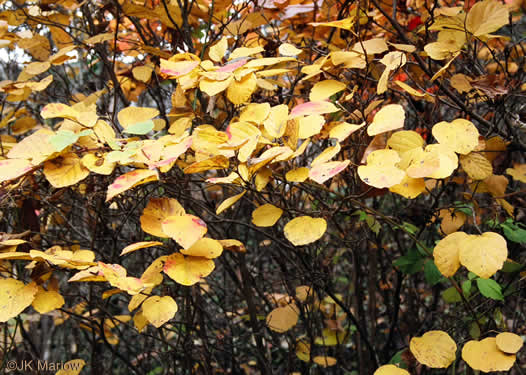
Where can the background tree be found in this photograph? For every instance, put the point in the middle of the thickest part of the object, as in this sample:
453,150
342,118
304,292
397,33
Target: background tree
263,187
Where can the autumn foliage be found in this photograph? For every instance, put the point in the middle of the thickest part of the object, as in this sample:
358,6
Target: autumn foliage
260,187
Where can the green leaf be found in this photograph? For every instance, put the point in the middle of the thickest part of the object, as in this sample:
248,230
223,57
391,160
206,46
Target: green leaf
410,228
513,232
451,295
511,266
431,272
474,331
140,128
410,263
490,288
466,288
63,139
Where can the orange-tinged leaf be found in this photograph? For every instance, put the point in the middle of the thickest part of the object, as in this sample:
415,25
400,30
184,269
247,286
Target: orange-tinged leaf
73,367
312,108
130,180
508,342
139,245
322,172
518,172
185,229
485,356
266,215
142,73
206,248
187,270
390,117
156,211
15,296
65,170
158,310
451,220
115,274
324,361
281,319
304,230
229,202
435,349
216,162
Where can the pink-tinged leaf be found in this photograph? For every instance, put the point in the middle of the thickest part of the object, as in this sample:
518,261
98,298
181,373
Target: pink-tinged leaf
185,230
129,180
177,69
171,153
14,168
312,108
324,171
229,68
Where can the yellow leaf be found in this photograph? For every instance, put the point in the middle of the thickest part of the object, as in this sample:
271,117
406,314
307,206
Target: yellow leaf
484,255
206,248
486,17
446,253
343,130
518,172
216,162
46,301
297,175
303,350
239,92
187,270
346,23
325,89
287,49
492,359
371,46
65,170
304,230
324,361
227,203
405,140
139,245
437,161
312,108
212,88
37,68
97,164
218,51
185,229
266,215
381,171
322,172
130,180
255,113
142,73
73,367
435,349
276,122
509,343
390,117
35,147
244,52
390,370
53,110
310,125
156,211
132,115
281,319
115,274
459,135
476,166
15,297
158,310
326,155
409,187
